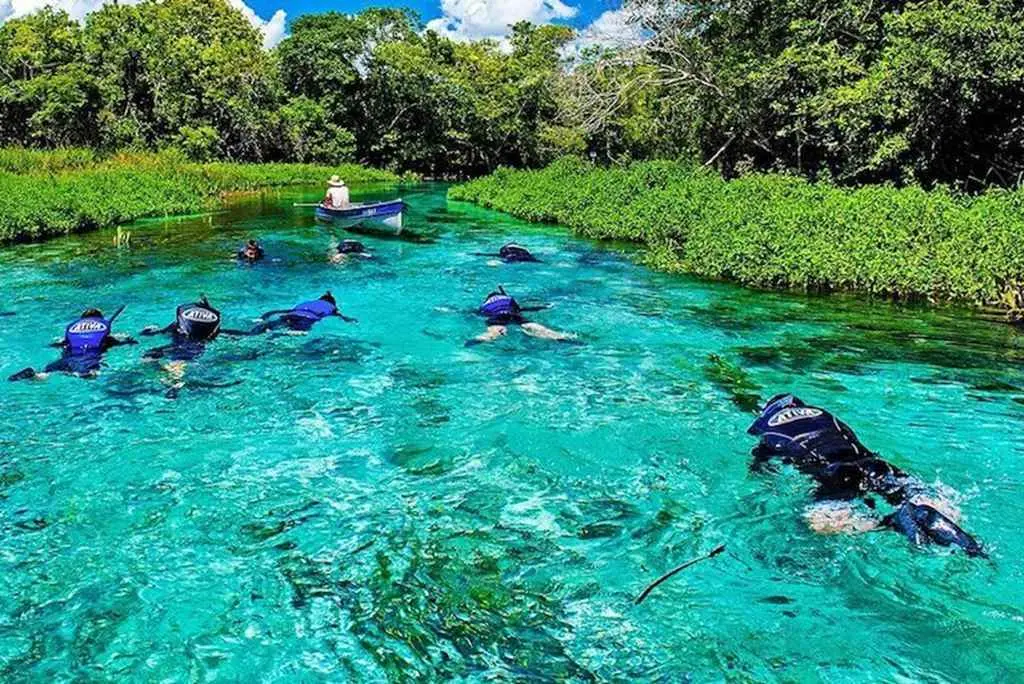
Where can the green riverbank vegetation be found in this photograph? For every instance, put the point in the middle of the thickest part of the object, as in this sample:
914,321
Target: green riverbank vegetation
853,105
44,194
771,230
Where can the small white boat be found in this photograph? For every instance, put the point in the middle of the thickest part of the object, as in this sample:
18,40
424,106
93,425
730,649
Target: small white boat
381,215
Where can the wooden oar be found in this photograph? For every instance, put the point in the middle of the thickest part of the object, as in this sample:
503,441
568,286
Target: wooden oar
305,204
714,552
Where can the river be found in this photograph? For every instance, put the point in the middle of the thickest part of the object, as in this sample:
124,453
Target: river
376,501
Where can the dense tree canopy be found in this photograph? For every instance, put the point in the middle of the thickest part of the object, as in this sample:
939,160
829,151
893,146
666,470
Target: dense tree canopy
855,90
929,91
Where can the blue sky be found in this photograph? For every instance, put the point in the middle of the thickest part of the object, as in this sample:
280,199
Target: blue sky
587,11
456,18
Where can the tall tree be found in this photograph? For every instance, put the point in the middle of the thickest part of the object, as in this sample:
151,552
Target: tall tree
48,97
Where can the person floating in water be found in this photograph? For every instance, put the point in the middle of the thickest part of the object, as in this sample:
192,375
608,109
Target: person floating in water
83,345
251,252
512,253
195,324
348,249
302,317
336,196
820,445
502,310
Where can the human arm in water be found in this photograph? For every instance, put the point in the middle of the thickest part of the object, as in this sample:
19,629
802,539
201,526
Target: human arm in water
151,330
232,332
119,341
347,319
762,456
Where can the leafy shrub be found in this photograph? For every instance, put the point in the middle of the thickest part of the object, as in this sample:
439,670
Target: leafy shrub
772,230
43,194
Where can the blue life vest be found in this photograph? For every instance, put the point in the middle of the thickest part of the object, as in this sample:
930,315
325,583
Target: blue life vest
500,305
86,335
315,310
198,321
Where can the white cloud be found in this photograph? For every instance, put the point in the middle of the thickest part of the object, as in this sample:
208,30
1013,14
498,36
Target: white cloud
273,30
474,19
614,29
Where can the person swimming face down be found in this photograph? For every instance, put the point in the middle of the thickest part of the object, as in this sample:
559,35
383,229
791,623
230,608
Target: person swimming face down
195,324
347,249
501,310
303,316
512,253
823,447
83,345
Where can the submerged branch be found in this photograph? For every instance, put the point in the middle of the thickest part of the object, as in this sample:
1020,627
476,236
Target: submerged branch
643,595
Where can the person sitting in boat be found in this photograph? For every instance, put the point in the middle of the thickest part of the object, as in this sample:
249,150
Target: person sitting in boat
820,445
251,252
347,249
512,253
337,194
502,310
195,324
83,345
302,317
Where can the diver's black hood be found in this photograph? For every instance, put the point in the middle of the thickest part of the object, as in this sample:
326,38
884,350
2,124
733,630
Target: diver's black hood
198,321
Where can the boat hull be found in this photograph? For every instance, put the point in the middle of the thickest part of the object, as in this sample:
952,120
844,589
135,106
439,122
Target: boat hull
385,216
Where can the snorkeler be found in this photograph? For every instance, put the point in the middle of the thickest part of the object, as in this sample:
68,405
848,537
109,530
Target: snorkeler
251,252
195,324
820,445
347,249
512,253
502,310
84,343
302,317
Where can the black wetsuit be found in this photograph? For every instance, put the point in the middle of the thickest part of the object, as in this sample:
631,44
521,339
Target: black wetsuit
512,253
352,247
822,446
195,325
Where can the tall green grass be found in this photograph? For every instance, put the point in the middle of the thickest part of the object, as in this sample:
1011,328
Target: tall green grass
769,230
44,194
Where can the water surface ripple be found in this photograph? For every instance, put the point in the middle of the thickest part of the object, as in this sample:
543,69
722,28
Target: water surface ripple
376,502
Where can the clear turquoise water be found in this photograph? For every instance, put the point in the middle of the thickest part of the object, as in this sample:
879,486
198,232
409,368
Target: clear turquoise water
376,502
